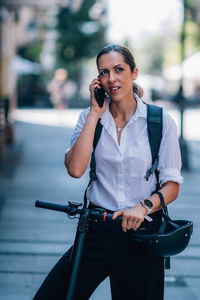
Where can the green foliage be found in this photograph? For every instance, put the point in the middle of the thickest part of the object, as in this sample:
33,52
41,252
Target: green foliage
34,50
192,29
192,38
80,36
31,51
190,7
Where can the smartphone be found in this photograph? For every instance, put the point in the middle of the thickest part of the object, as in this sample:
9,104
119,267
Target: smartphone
99,95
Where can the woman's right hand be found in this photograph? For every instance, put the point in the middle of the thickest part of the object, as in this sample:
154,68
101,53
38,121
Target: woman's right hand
94,106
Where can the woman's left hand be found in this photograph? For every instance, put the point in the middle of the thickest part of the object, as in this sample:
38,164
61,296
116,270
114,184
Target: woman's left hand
131,218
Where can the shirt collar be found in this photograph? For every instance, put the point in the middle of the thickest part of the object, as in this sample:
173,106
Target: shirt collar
141,110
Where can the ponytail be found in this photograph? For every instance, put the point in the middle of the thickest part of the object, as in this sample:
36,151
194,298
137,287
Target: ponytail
138,90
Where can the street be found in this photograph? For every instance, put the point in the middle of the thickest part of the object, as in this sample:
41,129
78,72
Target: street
33,239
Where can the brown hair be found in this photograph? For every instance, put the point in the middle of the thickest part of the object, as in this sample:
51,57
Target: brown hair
128,58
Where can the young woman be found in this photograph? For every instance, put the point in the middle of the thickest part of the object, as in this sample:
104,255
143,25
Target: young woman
122,156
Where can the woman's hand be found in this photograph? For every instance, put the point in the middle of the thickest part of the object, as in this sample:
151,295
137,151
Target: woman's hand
94,107
131,218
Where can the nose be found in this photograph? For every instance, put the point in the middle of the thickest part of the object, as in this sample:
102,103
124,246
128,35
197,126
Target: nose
112,76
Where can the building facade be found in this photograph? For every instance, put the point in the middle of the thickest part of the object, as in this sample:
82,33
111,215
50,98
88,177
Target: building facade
15,17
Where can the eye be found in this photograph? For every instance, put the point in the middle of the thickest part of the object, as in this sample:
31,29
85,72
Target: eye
119,69
104,72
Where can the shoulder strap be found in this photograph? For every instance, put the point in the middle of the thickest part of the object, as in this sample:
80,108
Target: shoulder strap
154,129
92,173
97,135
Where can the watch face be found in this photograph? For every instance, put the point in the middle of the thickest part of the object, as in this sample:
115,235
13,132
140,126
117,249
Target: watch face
148,203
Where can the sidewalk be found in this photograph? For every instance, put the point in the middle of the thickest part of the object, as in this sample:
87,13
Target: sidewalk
32,239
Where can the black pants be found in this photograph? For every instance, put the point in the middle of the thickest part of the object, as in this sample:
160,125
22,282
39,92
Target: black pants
134,274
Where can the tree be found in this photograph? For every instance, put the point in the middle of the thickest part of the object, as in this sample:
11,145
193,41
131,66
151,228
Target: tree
81,35
192,38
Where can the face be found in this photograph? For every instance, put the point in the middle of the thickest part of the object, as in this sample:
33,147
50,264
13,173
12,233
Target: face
116,76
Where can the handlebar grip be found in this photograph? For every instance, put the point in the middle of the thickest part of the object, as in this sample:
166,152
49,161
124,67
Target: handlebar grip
52,206
105,216
108,217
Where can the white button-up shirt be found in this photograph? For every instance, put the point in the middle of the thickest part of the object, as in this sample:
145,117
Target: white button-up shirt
121,169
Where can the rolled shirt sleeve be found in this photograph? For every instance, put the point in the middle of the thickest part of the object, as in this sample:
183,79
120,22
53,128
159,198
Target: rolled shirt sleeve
169,164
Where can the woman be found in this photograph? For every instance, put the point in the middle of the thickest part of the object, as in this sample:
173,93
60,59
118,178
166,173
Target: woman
122,158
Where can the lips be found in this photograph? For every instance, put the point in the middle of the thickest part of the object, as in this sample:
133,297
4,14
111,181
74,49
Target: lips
114,88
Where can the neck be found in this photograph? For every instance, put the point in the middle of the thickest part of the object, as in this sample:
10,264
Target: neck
123,111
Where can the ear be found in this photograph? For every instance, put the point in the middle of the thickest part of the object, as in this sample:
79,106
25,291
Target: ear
135,73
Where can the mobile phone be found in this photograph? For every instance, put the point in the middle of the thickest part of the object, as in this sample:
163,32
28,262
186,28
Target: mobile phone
99,95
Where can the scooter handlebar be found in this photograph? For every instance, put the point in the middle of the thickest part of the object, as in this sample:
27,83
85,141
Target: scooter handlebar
71,209
52,206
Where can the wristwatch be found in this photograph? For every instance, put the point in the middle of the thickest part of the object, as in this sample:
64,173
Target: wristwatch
146,203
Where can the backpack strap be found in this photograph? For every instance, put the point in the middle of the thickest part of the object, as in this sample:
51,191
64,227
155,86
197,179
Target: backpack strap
154,130
97,135
92,173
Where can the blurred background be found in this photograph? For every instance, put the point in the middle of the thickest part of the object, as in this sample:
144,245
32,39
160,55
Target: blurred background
48,49
47,59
